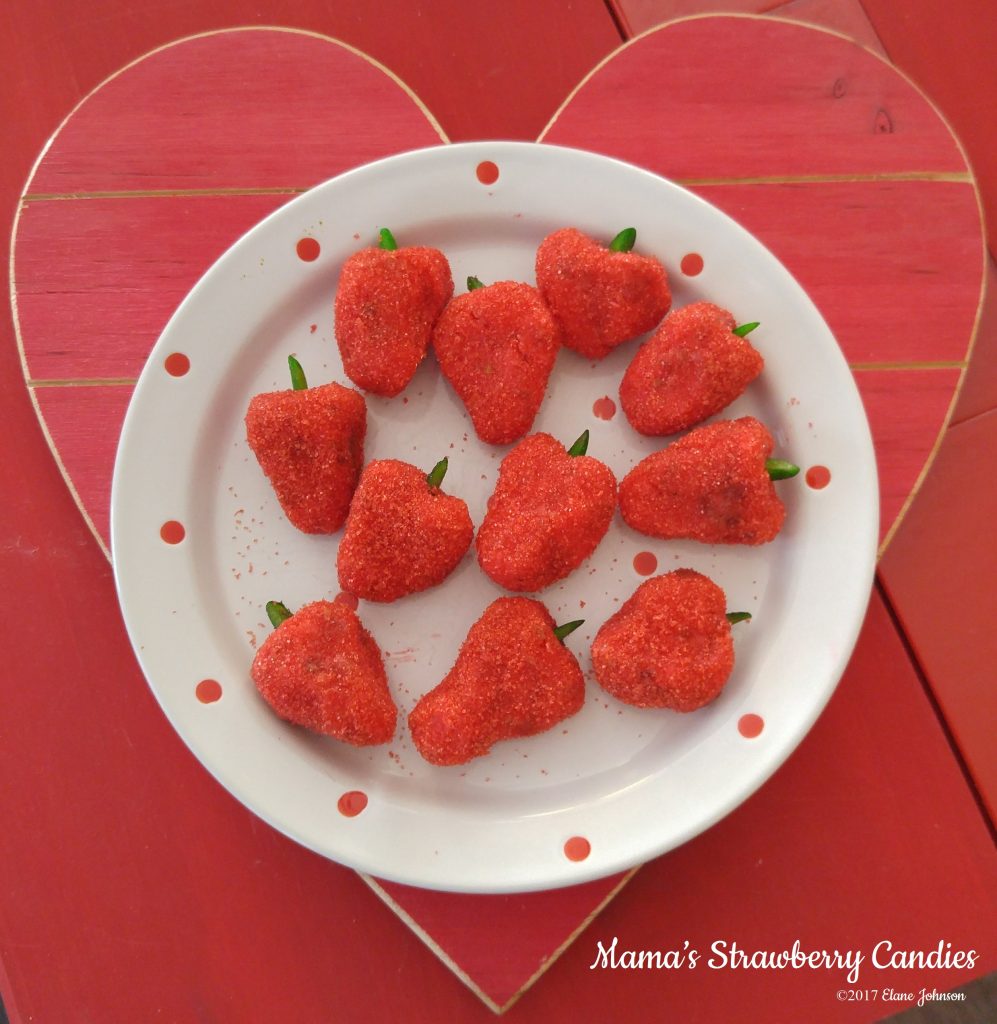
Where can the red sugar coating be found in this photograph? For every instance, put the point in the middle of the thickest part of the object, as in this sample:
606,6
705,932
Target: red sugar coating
401,535
310,445
321,669
548,513
512,678
386,305
600,298
692,367
710,486
497,345
669,646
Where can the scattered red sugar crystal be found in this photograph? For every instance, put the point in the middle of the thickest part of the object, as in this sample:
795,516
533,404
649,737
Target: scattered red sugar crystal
600,298
512,678
711,485
386,305
669,645
322,670
402,535
309,443
548,513
692,367
496,345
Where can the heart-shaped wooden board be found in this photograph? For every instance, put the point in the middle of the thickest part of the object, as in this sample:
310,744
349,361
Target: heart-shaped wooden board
821,149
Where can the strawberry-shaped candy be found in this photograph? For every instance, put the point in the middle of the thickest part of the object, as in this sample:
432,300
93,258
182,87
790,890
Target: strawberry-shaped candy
496,345
321,669
403,534
386,304
669,645
309,442
714,485
549,511
694,365
513,677
600,296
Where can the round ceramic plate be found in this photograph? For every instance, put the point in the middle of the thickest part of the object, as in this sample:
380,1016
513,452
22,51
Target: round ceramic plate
630,783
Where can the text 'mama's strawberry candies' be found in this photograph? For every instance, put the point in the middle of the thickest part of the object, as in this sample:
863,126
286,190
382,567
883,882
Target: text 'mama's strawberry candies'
669,645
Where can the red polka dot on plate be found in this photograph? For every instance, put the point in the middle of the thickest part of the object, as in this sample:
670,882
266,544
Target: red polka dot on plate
176,364
172,532
487,172
645,562
750,726
577,848
308,249
692,264
352,803
818,477
208,691
604,408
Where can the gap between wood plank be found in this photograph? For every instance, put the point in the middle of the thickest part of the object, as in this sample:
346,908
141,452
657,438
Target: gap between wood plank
97,382
944,177
991,826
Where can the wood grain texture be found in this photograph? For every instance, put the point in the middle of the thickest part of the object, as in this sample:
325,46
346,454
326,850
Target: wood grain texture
979,390
939,565
895,267
906,410
693,100
963,84
86,423
159,125
96,280
844,16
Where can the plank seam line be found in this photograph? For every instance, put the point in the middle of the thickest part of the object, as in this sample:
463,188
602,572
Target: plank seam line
944,177
164,193
93,382
81,382
936,707
936,364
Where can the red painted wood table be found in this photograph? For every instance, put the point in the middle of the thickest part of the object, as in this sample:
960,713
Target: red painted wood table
137,889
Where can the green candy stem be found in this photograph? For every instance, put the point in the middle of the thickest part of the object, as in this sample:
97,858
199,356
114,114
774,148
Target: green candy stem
474,282
733,617
624,241
568,627
387,240
745,329
277,612
298,381
439,471
780,469
581,446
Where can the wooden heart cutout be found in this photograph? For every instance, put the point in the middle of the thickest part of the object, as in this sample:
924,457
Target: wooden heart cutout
818,139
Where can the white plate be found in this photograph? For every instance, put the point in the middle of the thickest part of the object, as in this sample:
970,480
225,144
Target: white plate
633,783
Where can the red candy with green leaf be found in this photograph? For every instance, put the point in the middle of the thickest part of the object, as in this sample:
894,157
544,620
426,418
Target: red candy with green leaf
550,509
322,670
496,345
309,442
715,485
513,677
386,305
600,296
693,366
403,534
669,645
